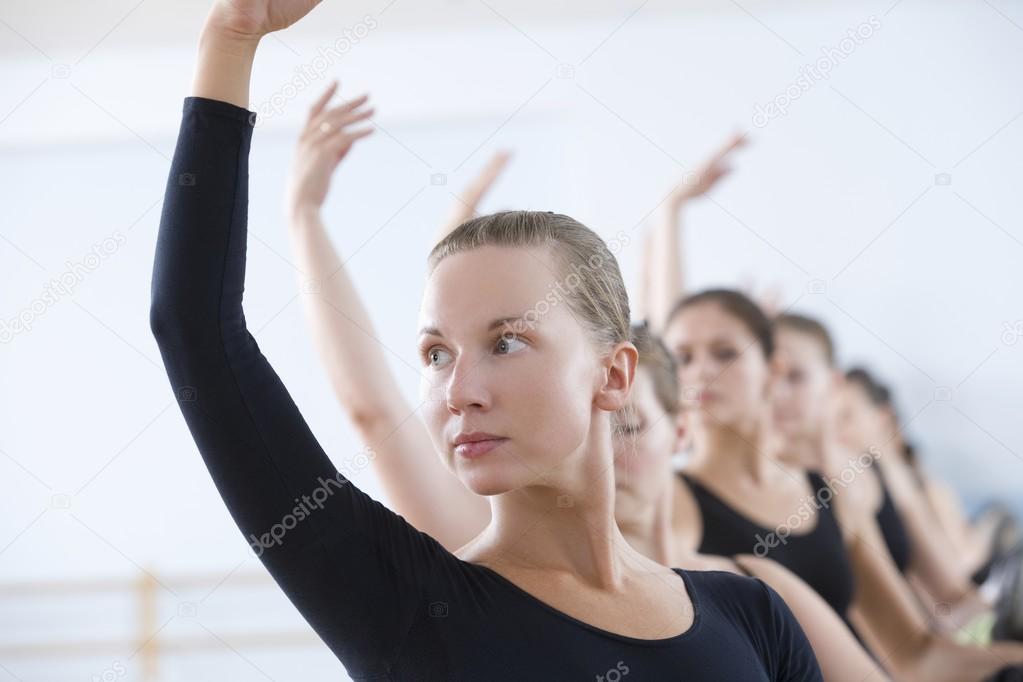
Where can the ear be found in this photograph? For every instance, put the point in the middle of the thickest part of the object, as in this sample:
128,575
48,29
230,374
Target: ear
619,372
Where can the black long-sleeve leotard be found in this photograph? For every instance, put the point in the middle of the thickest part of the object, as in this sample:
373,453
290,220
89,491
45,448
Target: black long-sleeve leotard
388,600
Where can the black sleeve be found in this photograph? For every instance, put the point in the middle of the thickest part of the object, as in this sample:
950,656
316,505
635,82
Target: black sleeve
354,569
793,659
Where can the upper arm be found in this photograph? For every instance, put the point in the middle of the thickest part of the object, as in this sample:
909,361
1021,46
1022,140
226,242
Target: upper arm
793,656
840,656
883,598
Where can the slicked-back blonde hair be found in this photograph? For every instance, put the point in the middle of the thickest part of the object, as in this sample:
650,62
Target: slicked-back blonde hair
589,271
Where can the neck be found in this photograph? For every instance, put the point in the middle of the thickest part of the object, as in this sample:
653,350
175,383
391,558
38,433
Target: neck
730,448
809,451
646,524
566,522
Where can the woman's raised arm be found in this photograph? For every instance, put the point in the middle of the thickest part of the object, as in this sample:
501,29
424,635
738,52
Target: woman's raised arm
354,569
666,281
465,206
418,485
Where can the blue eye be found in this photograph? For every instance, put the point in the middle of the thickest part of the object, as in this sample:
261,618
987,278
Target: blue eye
509,344
435,356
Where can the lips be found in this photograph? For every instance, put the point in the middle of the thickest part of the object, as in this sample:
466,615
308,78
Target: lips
476,444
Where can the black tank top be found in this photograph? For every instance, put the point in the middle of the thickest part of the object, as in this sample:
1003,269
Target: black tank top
819,557
892,527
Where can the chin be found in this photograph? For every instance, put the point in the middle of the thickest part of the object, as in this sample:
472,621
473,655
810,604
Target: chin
487,483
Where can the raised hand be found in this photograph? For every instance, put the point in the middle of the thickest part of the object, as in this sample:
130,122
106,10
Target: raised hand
706,176
327,138
255,18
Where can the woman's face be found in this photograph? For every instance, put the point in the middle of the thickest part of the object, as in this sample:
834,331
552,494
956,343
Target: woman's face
722,368
504,364
643,444
860,424
803,389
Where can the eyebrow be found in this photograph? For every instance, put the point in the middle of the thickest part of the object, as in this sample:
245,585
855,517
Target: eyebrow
494,324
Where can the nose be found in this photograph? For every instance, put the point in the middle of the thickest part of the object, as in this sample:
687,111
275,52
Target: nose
466,387
700,371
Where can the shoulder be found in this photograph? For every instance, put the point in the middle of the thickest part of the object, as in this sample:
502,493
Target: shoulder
752,607
728,591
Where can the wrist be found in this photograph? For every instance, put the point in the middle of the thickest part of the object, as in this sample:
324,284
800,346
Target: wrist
303,216
226,40
674,204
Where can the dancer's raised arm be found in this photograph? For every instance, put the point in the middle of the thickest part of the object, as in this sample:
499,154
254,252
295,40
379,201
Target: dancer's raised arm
465,206
353,568
663,252
417,483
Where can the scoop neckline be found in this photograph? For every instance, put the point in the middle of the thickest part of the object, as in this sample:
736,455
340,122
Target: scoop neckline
663,641
749,519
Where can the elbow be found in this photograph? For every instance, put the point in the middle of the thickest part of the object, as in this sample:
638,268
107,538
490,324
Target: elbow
165,322
174,327
372,421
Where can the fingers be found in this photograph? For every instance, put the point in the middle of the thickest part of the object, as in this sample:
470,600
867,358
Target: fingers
346,114
322,100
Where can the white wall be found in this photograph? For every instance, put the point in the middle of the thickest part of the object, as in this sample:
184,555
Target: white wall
920,278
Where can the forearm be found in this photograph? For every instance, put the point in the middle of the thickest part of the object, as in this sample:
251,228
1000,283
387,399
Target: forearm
937,569
409,469
884,601
462,210
665,278
342,330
